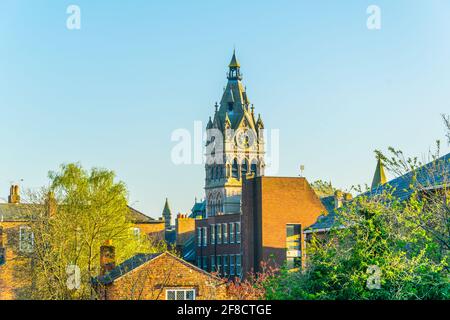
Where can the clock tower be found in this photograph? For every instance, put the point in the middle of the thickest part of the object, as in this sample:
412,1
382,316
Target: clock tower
235,146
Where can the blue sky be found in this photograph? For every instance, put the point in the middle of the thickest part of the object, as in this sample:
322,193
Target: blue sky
110,95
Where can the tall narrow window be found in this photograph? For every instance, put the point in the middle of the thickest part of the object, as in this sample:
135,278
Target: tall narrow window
232,260
225,233
26,239
219,264
244,168
225,265
238,232
238,265
293,246
219,233
231,232
205,236
235,169
213,264
254,167
205,263
199,237
213,233
199,262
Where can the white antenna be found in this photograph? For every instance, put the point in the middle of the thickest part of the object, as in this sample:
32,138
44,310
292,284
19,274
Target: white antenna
302,168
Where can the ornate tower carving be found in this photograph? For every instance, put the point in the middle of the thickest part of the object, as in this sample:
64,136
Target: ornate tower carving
235,146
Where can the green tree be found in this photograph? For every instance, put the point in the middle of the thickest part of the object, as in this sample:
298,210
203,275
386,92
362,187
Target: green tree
84,209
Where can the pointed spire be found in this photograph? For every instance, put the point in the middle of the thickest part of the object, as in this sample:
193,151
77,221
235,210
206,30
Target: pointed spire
379,178
260,123
167,213
234,63
234,73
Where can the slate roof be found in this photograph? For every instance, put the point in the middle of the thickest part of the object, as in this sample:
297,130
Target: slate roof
11,212
138,217
124,267
432,175
198,209
137,261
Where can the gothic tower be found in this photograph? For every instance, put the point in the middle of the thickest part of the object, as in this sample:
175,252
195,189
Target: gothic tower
235,146
167,214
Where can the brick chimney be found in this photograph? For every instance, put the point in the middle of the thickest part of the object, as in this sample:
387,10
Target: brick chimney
14,196
107,257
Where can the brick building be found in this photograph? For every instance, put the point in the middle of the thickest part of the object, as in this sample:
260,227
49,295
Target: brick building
160,276
17,241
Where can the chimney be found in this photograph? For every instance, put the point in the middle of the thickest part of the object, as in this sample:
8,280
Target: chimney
14,196
107,257
338,197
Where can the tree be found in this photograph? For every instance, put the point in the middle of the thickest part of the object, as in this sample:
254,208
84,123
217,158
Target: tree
384,247
323,188
84,209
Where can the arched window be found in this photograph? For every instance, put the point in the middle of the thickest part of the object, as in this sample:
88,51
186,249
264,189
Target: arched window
235,169
254,166
244,168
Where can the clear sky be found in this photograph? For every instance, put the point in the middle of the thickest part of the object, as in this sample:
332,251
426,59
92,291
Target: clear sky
110,94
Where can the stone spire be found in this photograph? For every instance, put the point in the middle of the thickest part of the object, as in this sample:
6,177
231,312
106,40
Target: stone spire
379,178
167,214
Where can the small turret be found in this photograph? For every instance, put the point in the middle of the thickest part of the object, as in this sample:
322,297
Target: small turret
167,214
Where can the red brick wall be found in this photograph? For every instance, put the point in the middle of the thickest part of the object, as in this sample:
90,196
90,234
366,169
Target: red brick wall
151,280
268,204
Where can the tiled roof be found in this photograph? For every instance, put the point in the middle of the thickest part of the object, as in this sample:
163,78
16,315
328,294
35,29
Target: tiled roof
138,217
16,212
125,267
431,175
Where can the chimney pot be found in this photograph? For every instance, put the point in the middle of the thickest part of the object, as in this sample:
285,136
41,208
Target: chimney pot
14,196
107,257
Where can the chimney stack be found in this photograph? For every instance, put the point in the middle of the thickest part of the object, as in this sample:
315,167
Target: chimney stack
14,196
107,257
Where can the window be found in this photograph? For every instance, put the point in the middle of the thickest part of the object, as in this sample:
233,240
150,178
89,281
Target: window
180,294
232,232
225,233
235,169
219,264
205,263
26,239
253,168
199,262
232,259
238,232
238,265
199,237
137,233
225,265
205,236
213,264
219,233
293,246
213,234
244,168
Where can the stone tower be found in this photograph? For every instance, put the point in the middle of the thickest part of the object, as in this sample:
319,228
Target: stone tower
167,214
234,147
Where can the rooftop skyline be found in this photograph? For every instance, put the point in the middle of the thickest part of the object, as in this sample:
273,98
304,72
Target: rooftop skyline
111,94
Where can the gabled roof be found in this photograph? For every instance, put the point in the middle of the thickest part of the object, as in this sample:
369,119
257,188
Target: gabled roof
138,217
137,261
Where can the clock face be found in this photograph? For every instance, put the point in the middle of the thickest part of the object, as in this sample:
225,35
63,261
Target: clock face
244,138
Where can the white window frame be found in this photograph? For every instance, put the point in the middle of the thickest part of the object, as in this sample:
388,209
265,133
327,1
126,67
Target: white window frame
239,266
175,291
21,240
137,233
